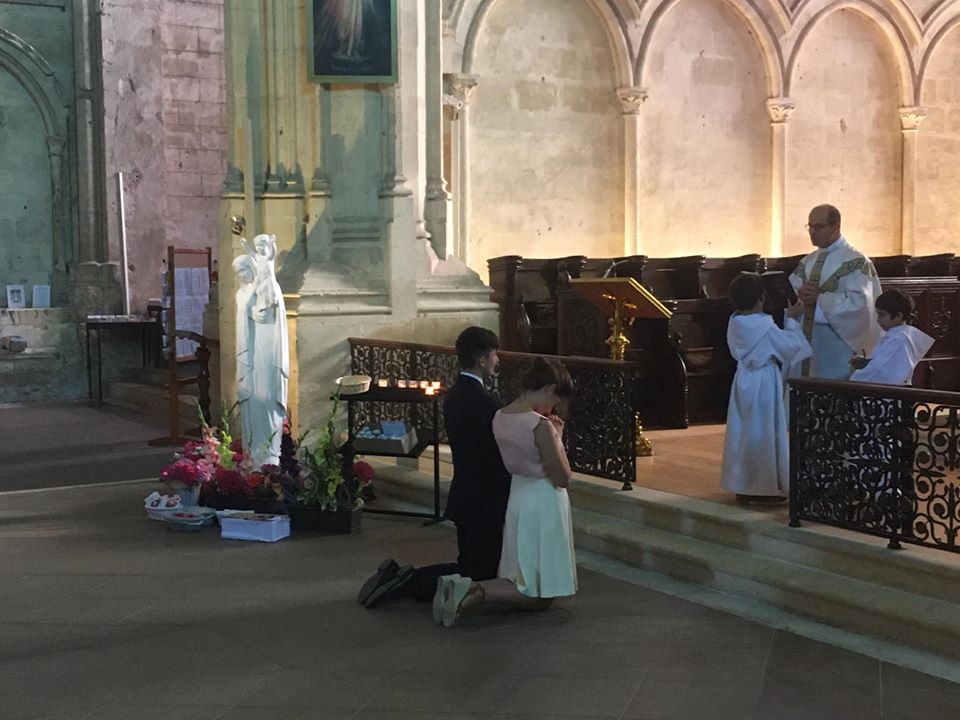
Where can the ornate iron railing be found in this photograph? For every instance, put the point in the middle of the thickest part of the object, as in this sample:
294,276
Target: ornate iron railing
878,459
600,434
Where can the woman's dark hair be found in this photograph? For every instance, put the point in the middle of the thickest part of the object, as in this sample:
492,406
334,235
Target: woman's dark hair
895,302
473,343
745,290
547,371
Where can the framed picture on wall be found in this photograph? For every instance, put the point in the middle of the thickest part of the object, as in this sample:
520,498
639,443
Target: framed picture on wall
354,41
41,296
16,297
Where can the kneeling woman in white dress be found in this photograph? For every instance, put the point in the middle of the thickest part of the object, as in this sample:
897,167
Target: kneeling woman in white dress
537,562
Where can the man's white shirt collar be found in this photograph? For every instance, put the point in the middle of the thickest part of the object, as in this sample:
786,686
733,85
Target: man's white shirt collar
835,245
475,377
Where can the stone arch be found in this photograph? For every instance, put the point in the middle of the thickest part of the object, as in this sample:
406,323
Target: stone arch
28,67
941,21
756,23
610,20
26,64
812,12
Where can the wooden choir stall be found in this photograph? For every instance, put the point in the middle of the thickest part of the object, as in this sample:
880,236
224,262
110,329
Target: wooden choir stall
683,368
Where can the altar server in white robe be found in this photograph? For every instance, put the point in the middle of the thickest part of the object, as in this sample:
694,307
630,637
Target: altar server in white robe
838,286
899,350
755,450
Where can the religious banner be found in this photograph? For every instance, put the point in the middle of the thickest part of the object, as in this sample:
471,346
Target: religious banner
354,41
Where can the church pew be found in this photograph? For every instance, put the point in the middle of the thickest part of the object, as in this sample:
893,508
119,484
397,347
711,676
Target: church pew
716,274
684,362
526,291
931,265
891,266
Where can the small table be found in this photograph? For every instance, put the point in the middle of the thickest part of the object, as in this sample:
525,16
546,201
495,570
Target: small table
99,323
405,395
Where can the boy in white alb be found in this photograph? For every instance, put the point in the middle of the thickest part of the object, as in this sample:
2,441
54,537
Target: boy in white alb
899,350
755,450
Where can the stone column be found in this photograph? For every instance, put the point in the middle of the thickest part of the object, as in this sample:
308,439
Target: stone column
437,205
91,185
910,119
456,97
631,98
61,250
779,109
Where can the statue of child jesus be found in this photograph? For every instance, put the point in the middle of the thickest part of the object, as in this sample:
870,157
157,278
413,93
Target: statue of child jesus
263,252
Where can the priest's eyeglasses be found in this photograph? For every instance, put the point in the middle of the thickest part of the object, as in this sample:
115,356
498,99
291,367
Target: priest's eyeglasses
816,227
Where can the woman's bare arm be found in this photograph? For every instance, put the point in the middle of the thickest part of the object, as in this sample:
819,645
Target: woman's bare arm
552,454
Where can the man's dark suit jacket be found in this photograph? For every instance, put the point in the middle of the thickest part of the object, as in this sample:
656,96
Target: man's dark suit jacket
481,484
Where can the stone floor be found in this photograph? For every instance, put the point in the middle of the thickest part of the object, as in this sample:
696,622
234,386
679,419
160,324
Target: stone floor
107,615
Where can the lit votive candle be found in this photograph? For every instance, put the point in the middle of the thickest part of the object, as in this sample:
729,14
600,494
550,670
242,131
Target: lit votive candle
382,382
424,384
435,384
430,391
401,383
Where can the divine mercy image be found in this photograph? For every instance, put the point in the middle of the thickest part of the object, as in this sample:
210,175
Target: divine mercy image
353,39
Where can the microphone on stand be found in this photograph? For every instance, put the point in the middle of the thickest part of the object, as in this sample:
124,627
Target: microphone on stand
614,265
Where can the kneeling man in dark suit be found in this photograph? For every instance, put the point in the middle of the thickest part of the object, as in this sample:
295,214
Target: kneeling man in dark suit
480,487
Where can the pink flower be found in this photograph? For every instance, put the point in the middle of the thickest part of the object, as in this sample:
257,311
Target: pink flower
183,471
363,472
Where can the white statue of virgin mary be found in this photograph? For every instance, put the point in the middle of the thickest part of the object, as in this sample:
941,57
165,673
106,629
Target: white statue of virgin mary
263,364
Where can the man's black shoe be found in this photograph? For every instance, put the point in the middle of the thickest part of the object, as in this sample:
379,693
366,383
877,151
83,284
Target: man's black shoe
385,572
390,588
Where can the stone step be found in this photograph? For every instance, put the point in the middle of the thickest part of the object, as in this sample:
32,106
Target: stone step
824,574
831,598
927,571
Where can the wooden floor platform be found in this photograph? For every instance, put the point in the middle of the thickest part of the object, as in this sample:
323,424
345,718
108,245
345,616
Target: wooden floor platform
687,462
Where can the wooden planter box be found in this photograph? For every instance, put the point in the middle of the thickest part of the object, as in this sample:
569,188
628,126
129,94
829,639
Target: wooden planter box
267,506
341,522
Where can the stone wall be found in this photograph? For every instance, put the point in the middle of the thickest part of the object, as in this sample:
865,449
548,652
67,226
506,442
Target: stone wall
194,116
753,113
844,137
705,150
165,113
546,134
938,156
37,39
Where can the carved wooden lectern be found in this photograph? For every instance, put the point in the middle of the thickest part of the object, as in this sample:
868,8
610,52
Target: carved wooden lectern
623,300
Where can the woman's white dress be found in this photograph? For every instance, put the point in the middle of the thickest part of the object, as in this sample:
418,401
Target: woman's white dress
537,553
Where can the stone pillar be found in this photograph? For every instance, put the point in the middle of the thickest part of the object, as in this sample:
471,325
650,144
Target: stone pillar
910,119
61,250
457,97
91,186
281,60
631,98
437,205
779,109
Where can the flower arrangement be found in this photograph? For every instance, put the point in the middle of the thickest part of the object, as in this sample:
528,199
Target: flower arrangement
219,464
318,474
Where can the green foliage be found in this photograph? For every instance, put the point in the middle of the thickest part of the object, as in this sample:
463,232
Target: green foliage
322,481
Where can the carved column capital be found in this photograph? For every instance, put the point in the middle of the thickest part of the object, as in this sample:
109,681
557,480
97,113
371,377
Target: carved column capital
911,117
631,98
779,109
456,91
